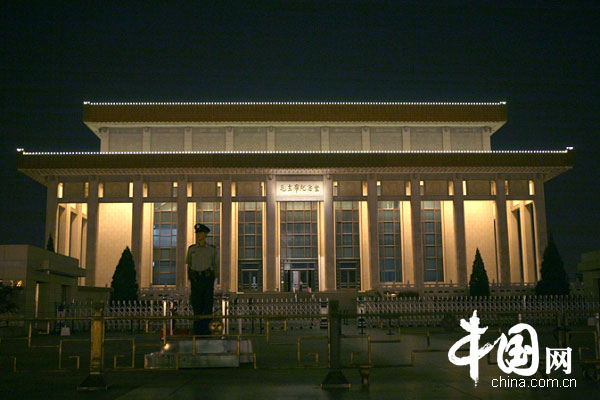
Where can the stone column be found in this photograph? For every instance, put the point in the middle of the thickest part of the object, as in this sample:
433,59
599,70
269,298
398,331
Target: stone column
502,231
270,138
181,249
330,272
459,231
417,237
104,140
225,267
366,138
187,139
486,138
51,209
373,237
541,233
147,139
270,278
324,138
92,232
229,138
406,138
446,145
137,220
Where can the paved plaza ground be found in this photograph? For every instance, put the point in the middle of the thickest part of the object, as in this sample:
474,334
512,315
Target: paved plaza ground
278,376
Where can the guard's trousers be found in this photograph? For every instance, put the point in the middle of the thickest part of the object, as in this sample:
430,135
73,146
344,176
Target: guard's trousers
202,302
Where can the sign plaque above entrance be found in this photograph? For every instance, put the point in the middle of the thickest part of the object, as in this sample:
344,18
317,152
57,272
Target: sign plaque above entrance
299,190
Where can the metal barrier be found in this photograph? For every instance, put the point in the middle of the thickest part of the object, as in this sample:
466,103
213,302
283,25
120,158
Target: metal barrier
273,324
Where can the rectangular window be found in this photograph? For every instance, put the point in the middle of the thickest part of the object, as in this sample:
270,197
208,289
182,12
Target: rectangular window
347,244
390,241
250,227
298,233
164,244
431,227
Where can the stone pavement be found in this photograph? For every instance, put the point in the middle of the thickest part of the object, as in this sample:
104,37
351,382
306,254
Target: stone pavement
431,377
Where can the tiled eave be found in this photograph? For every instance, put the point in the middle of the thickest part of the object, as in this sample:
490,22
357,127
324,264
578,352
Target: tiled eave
292,112
40,165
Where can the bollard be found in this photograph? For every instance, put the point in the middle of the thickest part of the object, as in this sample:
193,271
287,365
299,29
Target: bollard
597,333
335,379
96,380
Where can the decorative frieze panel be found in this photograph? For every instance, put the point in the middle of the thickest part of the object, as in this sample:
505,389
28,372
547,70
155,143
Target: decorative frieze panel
393,188
167,139
125,139
204,189
386,138
466,138
73,190
349,188
248,189
436,188
297,138
250,139
426,139
208,139
518,187
346,138
114,190
160,189
478,188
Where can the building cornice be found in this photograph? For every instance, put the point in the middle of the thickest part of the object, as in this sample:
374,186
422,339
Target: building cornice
40,165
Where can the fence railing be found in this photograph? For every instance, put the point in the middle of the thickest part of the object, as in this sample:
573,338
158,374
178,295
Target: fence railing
269,306
453,289
500,309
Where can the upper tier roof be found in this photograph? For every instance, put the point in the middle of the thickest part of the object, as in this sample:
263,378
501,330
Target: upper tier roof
96,115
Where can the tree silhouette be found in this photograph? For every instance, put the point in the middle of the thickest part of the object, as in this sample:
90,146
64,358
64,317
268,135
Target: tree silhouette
124,282
50,244
554,277
479,285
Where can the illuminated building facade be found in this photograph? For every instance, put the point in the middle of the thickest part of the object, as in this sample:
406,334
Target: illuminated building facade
312,196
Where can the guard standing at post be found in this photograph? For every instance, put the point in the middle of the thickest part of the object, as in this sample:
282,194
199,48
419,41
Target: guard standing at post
202,271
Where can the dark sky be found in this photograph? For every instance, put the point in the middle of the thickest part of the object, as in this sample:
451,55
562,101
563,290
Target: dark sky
541,59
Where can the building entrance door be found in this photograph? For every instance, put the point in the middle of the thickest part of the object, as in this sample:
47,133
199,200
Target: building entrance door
299,245
348,275
299,276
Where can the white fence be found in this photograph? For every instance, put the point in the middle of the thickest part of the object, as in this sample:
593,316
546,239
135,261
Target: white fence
268,306
452,289
493,310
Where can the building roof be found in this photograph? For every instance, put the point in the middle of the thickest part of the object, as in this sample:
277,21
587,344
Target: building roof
40,165
96,115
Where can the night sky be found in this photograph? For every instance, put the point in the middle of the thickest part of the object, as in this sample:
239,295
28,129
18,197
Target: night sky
542,60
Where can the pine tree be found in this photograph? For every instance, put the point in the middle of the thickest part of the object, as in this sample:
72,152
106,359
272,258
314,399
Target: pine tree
479,285
7,303
124,282
50,244
554,277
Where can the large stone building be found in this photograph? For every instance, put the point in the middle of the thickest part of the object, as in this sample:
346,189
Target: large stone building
326,196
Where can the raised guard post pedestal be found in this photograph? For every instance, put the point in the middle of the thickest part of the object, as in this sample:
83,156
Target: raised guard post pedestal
96,379
335,379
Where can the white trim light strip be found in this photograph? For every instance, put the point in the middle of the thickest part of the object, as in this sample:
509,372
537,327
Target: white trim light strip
64,153
293,103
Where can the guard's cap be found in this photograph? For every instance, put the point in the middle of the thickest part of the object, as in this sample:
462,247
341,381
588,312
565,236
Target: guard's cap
201,228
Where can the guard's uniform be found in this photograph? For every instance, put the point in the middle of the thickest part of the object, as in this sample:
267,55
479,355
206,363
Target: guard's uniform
201,260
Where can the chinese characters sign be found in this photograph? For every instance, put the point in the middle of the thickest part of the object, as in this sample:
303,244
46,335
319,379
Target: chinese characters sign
299,190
